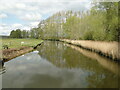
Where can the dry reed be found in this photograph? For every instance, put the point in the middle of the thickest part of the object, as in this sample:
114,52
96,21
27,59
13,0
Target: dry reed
106,48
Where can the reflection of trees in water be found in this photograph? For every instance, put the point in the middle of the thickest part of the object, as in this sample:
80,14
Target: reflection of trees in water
2,70
53,51
105,62
44,81
98,80
66,57
2,67
63,56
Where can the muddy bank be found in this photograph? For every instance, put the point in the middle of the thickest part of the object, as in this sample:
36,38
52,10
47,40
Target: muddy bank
8,54
107,49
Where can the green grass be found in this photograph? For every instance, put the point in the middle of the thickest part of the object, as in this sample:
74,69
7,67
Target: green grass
16,43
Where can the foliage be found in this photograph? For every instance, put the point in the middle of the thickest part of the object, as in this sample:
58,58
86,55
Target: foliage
88,35
99,23
33,33
15,33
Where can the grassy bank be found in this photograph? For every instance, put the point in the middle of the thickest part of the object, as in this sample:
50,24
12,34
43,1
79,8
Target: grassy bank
107,49
17,47
16,43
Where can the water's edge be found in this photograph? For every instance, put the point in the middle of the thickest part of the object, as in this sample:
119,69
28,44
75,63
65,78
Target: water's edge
114,56
60,65
19,53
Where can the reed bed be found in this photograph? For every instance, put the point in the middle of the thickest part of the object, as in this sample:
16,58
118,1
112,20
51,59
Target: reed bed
109,49
105,62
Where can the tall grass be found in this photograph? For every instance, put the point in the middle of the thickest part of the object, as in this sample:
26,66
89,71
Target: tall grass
106,63
107,48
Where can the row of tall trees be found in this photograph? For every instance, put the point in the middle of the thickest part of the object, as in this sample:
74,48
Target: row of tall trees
99,23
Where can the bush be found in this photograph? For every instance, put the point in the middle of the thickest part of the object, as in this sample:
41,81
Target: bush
88,35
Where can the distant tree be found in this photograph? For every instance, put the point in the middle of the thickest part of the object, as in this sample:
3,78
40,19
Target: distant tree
16,33
23,34
12,34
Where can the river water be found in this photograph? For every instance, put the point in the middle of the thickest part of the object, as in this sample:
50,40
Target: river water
60,65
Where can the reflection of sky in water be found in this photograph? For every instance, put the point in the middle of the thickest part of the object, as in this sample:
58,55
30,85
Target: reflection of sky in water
57,65
30,70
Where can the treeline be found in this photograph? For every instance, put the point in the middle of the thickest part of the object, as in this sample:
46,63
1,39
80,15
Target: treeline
33,33
99,23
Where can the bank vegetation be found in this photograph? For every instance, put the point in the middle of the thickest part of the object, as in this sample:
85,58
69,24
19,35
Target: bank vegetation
99,25
107,49
16,47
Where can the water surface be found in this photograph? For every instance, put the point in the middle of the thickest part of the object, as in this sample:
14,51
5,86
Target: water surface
59,65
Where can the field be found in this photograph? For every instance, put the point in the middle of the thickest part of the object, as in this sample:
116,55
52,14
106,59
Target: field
16,43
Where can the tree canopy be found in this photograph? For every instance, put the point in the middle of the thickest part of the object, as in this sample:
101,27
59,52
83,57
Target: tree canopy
99,23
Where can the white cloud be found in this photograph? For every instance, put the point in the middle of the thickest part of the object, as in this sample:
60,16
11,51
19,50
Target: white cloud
41,6
20,26
17,25
5,29
31,17
34,24
2,15
3,24
20,5
32,11
26,28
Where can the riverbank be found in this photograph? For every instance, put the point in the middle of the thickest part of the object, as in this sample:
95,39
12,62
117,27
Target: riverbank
16,43
106,49
9,54
105,62
17,47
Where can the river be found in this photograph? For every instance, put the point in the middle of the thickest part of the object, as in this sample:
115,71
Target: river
60,65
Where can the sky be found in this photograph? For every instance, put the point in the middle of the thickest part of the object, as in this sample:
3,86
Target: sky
26,14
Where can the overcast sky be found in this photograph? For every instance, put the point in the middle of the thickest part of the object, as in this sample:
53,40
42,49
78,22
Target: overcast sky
26,14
